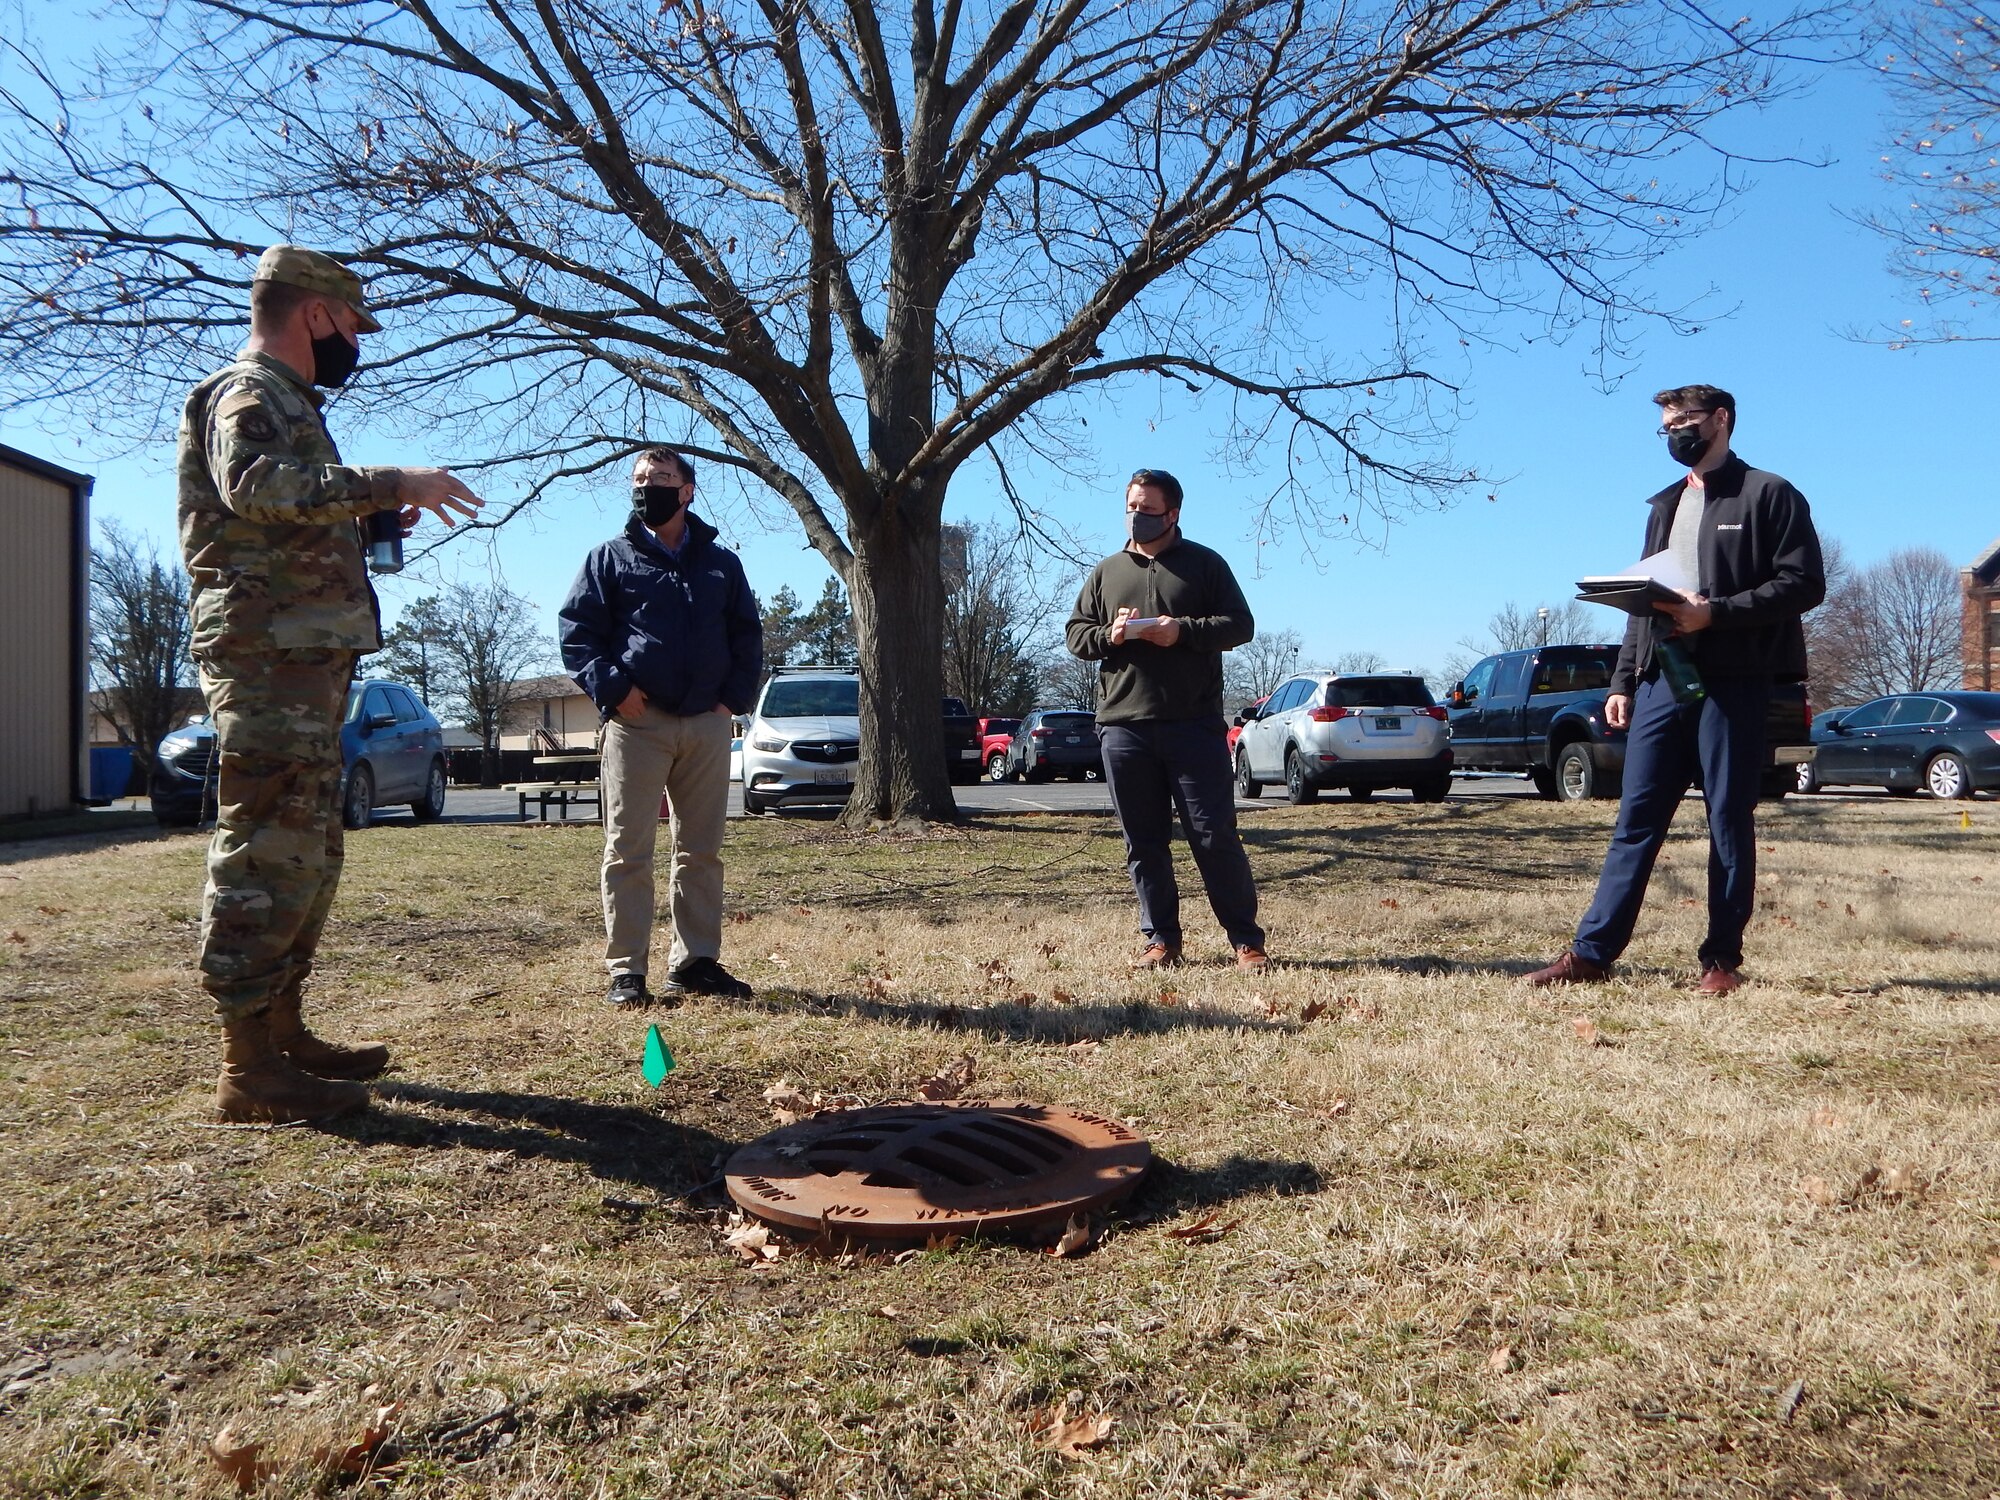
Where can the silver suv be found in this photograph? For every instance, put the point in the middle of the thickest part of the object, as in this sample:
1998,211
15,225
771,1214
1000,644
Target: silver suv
1362,730
804,739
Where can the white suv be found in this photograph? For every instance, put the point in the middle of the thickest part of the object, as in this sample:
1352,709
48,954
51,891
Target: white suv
804,739
1362,730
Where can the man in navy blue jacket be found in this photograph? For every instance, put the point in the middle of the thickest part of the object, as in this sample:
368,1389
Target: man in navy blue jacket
661,629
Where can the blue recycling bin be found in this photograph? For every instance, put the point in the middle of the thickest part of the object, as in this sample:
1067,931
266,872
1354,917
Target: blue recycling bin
110,771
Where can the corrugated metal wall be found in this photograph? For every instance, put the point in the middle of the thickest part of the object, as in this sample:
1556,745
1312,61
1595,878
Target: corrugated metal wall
38,661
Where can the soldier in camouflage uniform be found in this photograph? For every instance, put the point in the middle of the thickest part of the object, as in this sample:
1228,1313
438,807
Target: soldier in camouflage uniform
282,607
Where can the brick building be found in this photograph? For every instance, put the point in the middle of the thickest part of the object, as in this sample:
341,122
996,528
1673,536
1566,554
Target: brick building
1979,615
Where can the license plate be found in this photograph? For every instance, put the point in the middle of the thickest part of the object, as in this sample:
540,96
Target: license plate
1072,739
968,755
830,778
1387,721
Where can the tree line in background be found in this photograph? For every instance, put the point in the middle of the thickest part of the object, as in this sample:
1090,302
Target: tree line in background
472,652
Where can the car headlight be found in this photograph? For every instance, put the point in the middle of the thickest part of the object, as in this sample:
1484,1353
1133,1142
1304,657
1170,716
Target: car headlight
768,746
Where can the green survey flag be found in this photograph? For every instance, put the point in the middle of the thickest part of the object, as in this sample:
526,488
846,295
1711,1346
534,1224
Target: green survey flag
659,1062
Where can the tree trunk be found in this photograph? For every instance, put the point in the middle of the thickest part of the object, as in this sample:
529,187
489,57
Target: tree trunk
897,597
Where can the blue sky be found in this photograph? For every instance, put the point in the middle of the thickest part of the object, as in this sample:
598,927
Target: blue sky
1891,447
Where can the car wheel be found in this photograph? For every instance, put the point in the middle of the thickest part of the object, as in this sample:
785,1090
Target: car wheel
1577,778
1246,784
1948,777
996,767
1545,782
1805,779
430,807
1298,790
1434,790
357,808
1361,793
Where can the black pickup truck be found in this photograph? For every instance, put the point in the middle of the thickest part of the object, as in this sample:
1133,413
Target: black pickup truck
1541,713
961,742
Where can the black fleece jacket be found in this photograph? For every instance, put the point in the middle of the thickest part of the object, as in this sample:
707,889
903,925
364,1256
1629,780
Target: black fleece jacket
1761,571
1139,681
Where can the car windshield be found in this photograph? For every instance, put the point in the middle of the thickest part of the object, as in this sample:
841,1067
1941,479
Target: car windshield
1067,723
1379,692
813,698
353,704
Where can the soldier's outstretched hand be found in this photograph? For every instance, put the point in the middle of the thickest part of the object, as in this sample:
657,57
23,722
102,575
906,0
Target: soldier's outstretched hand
438,491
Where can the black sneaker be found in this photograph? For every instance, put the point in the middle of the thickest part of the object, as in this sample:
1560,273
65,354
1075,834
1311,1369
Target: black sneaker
629,990
704,976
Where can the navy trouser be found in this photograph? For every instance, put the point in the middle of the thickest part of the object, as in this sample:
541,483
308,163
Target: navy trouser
1154,769
1723,734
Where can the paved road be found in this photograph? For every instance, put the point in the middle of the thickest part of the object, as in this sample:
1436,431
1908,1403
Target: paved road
473,805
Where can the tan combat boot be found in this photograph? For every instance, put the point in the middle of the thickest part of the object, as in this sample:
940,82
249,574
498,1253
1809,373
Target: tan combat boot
258,1085
323,1059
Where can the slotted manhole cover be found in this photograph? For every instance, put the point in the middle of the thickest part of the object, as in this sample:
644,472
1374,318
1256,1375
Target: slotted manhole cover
909,1171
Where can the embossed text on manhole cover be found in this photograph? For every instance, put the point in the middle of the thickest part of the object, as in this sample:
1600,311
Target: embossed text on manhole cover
902,1172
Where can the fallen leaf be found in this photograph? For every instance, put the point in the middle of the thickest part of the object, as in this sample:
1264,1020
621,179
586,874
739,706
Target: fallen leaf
1273,1008
887,1312
996,973
1586,1030
1825,1118
52,911
1076,1238
874,988
1501,1360
1061,997
1850,908
1088,1044
738,917
619,1310
1817,1190
751,1240
1203,1231
1024,999
1392,903
1313,1011
783,963
1067,1435
1789,1399
1362,1010
787,1103
1168,998
951,1080
1993,1261
239,1461
15,937
1048,949
359,1456
1339,1107
1902,1179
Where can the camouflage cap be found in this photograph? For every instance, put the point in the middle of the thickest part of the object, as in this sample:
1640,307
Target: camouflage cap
297,266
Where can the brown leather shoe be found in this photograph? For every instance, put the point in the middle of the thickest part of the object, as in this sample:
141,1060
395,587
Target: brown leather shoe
320,1058
1716,980
260,1085
1251,960
1158,956
1569,969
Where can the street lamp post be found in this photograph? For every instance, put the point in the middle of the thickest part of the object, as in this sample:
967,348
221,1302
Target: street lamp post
1542,614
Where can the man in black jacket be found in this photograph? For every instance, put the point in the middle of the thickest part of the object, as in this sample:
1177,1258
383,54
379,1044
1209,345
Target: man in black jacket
661,629
1159,615
1745,539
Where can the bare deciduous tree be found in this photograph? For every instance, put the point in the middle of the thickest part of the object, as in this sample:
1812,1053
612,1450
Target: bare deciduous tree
849,250
1002,618
1892,627
486,647
1251,671
1944,62
1515,627
139,637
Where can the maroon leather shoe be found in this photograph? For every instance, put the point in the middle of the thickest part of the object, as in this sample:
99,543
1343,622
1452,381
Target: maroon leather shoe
1158,956
1716,980
1569,969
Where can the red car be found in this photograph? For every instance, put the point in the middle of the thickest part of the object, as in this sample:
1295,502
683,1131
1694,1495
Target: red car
994,736
1236,725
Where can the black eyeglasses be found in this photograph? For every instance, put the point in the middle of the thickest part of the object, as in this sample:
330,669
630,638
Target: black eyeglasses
1687,419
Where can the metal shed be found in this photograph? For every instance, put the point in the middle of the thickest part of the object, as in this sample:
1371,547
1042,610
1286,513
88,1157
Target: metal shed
44,636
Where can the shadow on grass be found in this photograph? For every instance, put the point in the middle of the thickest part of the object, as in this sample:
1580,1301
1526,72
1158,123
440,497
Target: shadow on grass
1170,1189
617,1142
1006,1021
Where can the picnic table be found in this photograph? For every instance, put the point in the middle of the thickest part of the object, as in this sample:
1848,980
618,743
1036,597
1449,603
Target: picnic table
561,795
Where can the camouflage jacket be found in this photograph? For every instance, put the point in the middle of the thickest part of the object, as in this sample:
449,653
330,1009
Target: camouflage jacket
268,516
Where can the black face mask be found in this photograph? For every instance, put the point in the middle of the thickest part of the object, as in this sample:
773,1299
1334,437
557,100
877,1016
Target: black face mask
334,358
656,504
1685,445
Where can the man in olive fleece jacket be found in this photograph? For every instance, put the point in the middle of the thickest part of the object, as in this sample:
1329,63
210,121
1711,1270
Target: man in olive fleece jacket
1158,615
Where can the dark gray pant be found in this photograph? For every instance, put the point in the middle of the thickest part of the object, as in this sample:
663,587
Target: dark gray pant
1153,770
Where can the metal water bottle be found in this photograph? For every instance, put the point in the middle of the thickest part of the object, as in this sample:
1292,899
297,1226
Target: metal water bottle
385,541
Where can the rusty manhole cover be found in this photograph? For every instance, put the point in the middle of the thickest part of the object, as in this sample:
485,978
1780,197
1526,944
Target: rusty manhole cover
909,1171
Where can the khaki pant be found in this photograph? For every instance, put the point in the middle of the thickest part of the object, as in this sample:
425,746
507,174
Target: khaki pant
274,862
687,758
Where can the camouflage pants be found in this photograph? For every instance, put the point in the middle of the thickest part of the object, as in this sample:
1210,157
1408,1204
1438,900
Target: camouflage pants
274,862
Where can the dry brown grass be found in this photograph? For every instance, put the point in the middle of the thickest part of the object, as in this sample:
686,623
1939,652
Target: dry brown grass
1511,1262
